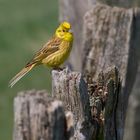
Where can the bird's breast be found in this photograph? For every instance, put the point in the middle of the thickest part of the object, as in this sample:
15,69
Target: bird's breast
57,58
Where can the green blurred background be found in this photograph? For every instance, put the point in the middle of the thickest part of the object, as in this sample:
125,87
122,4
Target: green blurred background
25,25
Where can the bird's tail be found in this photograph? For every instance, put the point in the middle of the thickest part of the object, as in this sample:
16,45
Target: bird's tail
16,78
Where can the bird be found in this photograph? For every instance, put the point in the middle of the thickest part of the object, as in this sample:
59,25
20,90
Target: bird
52,54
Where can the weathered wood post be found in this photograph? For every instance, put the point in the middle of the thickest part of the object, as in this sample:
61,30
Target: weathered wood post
39,117
70,88
111,37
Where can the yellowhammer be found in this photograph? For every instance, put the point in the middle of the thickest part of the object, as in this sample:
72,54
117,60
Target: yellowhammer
52,54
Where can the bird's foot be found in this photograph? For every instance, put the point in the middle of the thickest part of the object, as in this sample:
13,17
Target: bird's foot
58,68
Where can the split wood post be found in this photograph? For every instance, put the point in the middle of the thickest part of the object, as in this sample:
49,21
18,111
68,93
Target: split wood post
104,92
113,84
39,117
111,37
70,88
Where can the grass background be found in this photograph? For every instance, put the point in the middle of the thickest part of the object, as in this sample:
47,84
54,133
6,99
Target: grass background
25,25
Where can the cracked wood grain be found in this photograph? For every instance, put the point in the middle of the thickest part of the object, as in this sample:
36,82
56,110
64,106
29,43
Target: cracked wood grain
70,88
39,117
111,37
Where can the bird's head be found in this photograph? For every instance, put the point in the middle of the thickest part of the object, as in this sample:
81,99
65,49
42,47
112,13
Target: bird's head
63,28
65,25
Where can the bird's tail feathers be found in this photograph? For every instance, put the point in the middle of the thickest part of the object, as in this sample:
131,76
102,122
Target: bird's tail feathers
16,78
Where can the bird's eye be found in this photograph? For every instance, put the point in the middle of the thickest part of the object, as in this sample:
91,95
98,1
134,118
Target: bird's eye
64,31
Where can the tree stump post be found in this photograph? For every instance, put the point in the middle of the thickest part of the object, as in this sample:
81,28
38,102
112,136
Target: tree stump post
39,117
111,37
70,88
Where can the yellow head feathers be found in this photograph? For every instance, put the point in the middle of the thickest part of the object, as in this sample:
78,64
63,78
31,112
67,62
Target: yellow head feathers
63,28
65,25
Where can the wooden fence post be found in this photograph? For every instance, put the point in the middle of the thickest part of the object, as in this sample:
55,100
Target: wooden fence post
39,117
111,37
70,88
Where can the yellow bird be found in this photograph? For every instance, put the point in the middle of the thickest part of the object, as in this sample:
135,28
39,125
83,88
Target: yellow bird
52,54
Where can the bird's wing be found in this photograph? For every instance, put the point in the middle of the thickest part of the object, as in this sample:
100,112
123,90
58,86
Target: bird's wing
49,48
